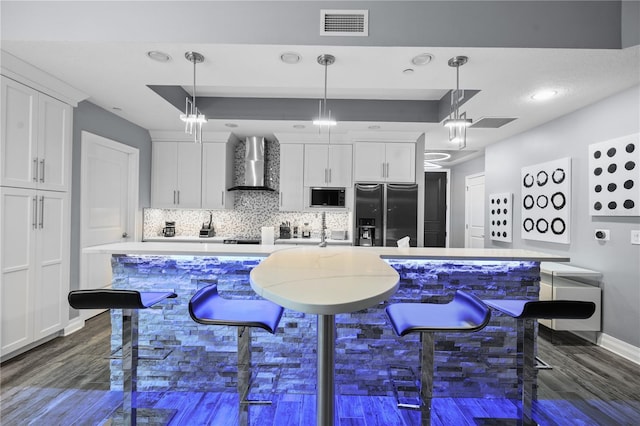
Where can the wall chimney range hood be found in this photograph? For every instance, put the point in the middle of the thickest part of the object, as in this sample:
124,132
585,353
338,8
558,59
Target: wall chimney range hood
253,178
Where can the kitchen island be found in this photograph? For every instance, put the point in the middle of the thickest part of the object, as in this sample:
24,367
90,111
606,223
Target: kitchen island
369,358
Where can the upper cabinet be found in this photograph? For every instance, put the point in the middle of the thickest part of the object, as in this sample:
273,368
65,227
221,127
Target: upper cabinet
36,139
384,162
291,169
327,165
176,169
217,176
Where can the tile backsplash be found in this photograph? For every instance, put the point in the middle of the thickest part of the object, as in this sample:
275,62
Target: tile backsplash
252,209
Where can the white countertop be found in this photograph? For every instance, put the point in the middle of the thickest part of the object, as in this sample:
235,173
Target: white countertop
217,249
564,270
326,281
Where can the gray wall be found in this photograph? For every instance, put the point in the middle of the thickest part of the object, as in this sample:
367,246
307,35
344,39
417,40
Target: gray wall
96,120
457,190
570,136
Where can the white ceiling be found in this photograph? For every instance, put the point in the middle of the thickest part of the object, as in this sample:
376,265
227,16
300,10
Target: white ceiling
116,75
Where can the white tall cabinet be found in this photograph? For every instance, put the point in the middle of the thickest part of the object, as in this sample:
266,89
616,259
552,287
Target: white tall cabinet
35,170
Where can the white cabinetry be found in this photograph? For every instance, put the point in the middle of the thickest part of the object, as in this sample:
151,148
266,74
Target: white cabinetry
291,172
34,264
384,162
557,282
36,139
217,175
327,165
176,170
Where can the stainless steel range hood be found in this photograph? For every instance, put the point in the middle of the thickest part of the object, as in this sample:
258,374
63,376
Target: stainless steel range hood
253,178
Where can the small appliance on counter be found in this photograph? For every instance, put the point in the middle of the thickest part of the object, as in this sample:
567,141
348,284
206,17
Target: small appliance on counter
285,230
207,230
169,229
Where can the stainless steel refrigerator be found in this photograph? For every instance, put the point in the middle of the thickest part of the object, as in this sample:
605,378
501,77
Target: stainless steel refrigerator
385,213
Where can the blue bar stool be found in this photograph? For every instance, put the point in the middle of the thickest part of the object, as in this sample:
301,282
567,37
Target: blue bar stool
526,313
464,313
130,301
209,308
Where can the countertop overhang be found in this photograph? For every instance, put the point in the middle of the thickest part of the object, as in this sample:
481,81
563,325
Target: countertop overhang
216,249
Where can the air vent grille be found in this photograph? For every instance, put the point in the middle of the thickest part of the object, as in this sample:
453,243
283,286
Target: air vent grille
492,122
344,23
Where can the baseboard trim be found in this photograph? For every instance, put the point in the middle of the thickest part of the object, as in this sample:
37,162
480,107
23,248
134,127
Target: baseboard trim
618,347
74,325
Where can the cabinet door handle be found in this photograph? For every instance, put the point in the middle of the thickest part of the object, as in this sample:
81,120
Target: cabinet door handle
174,196
178,197
329,176
382,169
387,174
42,212
35,169
42,166
281,199
222,198
35,212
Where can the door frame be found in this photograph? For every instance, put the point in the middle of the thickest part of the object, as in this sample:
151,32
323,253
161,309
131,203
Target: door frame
468,207
87,140
447,228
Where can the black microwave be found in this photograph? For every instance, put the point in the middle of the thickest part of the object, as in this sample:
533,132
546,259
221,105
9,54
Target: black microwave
327,197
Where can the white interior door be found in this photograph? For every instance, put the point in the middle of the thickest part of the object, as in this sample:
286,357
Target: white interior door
474,211
109,204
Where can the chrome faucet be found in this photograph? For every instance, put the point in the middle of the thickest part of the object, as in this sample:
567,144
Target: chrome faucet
323,230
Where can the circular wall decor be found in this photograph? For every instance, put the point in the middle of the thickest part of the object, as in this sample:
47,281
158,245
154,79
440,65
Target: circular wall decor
542,201
542,178
528,224
542,225
528,202
558,175
558,226
558,200
528,181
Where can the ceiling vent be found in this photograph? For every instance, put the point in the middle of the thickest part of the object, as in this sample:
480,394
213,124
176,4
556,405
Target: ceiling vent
351,23
492,122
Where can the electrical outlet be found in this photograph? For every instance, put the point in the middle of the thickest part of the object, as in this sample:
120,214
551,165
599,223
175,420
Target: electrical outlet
601,234
635,236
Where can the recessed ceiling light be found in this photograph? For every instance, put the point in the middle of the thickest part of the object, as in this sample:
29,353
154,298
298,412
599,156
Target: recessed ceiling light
299,126
407,71
290,57
232,125
156,55
374,127
543,95
436,156
422,59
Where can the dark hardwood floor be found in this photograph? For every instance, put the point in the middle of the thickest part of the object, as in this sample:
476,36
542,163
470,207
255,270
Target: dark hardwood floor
66,382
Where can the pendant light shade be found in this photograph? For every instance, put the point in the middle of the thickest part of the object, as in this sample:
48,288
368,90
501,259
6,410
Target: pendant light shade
192,117
324,115
457,122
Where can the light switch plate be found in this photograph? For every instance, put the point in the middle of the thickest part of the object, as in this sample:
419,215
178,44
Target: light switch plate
635,236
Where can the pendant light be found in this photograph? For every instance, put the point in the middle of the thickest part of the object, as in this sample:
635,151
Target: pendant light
324,115
457,122
192,117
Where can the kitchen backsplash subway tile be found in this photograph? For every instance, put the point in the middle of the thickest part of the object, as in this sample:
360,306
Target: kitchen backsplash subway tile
252,209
